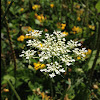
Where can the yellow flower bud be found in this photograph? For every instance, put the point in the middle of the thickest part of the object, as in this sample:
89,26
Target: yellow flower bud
65,33
78,58
9,2
6,90
51,5
21,9
78,18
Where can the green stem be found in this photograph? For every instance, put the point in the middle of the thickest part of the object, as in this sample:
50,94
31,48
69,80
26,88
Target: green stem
18,97
96,57
51,89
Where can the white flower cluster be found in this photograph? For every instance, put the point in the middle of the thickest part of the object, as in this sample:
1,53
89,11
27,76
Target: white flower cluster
59,34
80,52
35,33
54,51
73,44
28,54
53,69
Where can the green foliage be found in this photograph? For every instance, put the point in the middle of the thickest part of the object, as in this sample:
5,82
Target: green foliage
25,80
98,6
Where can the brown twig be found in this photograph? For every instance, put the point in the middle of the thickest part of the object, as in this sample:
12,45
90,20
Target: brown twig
10,42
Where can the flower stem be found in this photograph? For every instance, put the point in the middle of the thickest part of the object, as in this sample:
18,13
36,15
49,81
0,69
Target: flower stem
96,57
18,97
51,86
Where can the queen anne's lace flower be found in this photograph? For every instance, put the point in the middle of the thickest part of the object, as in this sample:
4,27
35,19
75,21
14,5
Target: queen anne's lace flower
53,51
35,33
53,69
28,54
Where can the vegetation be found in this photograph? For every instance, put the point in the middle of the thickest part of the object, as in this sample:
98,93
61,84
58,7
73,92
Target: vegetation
50,50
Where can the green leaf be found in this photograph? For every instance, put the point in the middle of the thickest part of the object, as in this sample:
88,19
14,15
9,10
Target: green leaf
18,83
8,77
67,82
37,22
30,97
90,63
25,78
98,6
30,67
31,86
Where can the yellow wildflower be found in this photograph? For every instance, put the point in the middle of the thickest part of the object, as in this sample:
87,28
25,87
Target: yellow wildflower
76,29
39,17
6,90
78,57
30,29
78,18
63,25
27,37
65,33
43,95
92,27
9,2
38,66
47,98
35,7
89,51
74,32
21,9
51,5
62,28
42,17
21,38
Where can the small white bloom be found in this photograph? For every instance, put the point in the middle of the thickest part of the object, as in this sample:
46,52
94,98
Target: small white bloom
52,75
62,70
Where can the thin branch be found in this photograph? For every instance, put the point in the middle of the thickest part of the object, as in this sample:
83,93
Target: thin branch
13,89
10,42
6,11
84,6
